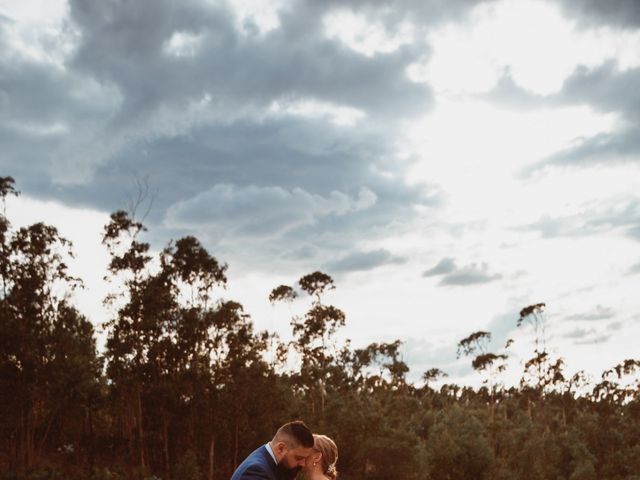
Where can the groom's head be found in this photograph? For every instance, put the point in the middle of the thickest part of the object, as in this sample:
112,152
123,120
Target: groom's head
292,444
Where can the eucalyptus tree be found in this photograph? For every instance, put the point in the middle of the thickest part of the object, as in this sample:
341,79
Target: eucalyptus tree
433,375
314,334
48,361
540,371
428,377
619,384
134,329
6,189
477,344
534,317
213,358
190,335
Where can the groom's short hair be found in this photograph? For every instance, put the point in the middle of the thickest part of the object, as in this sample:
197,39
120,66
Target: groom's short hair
295,434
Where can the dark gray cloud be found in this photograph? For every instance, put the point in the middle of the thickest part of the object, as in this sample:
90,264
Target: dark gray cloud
590,336
579,333
444,266
293,61
601,149
599,312
472,274
605,88
363,260
617,13
254,210
122,89
618,214
592,339
217,124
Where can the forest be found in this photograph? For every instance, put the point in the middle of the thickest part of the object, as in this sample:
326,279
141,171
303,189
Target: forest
173,393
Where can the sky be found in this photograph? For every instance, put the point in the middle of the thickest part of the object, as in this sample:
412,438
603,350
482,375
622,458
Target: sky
446,162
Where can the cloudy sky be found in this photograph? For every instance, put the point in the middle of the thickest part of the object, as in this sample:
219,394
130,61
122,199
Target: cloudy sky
447,162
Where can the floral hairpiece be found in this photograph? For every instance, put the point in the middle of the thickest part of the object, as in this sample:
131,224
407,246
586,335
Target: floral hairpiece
331,468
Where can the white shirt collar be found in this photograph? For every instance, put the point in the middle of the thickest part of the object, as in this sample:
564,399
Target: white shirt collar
268,447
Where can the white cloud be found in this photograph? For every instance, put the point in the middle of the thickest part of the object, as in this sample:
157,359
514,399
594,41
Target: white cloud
364,35
337,114
529,39
252,15
182,44
38,30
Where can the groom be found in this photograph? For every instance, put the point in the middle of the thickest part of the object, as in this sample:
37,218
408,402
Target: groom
280,458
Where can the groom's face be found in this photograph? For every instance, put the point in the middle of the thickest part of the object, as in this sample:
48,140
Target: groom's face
295,457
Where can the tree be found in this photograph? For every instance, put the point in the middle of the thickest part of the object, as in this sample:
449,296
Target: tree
48,361
314,334
534,317
133,330
477,344
433,374
458,448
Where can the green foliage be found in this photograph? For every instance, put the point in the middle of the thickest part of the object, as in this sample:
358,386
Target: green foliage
458,447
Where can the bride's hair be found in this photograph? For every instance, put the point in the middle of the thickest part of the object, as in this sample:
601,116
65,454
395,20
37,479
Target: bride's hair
329,451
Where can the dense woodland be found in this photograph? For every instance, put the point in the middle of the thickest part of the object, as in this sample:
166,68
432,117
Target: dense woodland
185,387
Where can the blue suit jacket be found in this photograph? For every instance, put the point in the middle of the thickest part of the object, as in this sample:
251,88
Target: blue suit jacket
260,466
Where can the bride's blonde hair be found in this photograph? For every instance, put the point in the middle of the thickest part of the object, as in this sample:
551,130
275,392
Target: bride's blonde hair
329,451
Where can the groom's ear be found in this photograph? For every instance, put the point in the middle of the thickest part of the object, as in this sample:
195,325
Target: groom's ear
281,448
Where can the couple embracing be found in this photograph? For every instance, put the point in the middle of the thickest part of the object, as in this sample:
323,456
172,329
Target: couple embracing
293,448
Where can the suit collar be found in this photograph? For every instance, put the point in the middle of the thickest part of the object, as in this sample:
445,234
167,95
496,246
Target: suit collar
269,450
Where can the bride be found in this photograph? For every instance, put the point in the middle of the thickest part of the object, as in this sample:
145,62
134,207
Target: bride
321,464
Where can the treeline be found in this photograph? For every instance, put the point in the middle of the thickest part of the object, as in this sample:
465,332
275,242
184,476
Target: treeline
185,387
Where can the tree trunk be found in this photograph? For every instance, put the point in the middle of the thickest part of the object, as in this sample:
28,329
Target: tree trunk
46,432
22,438
212,451
165,444
143,463
235,446
13,456
27,435
90,439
